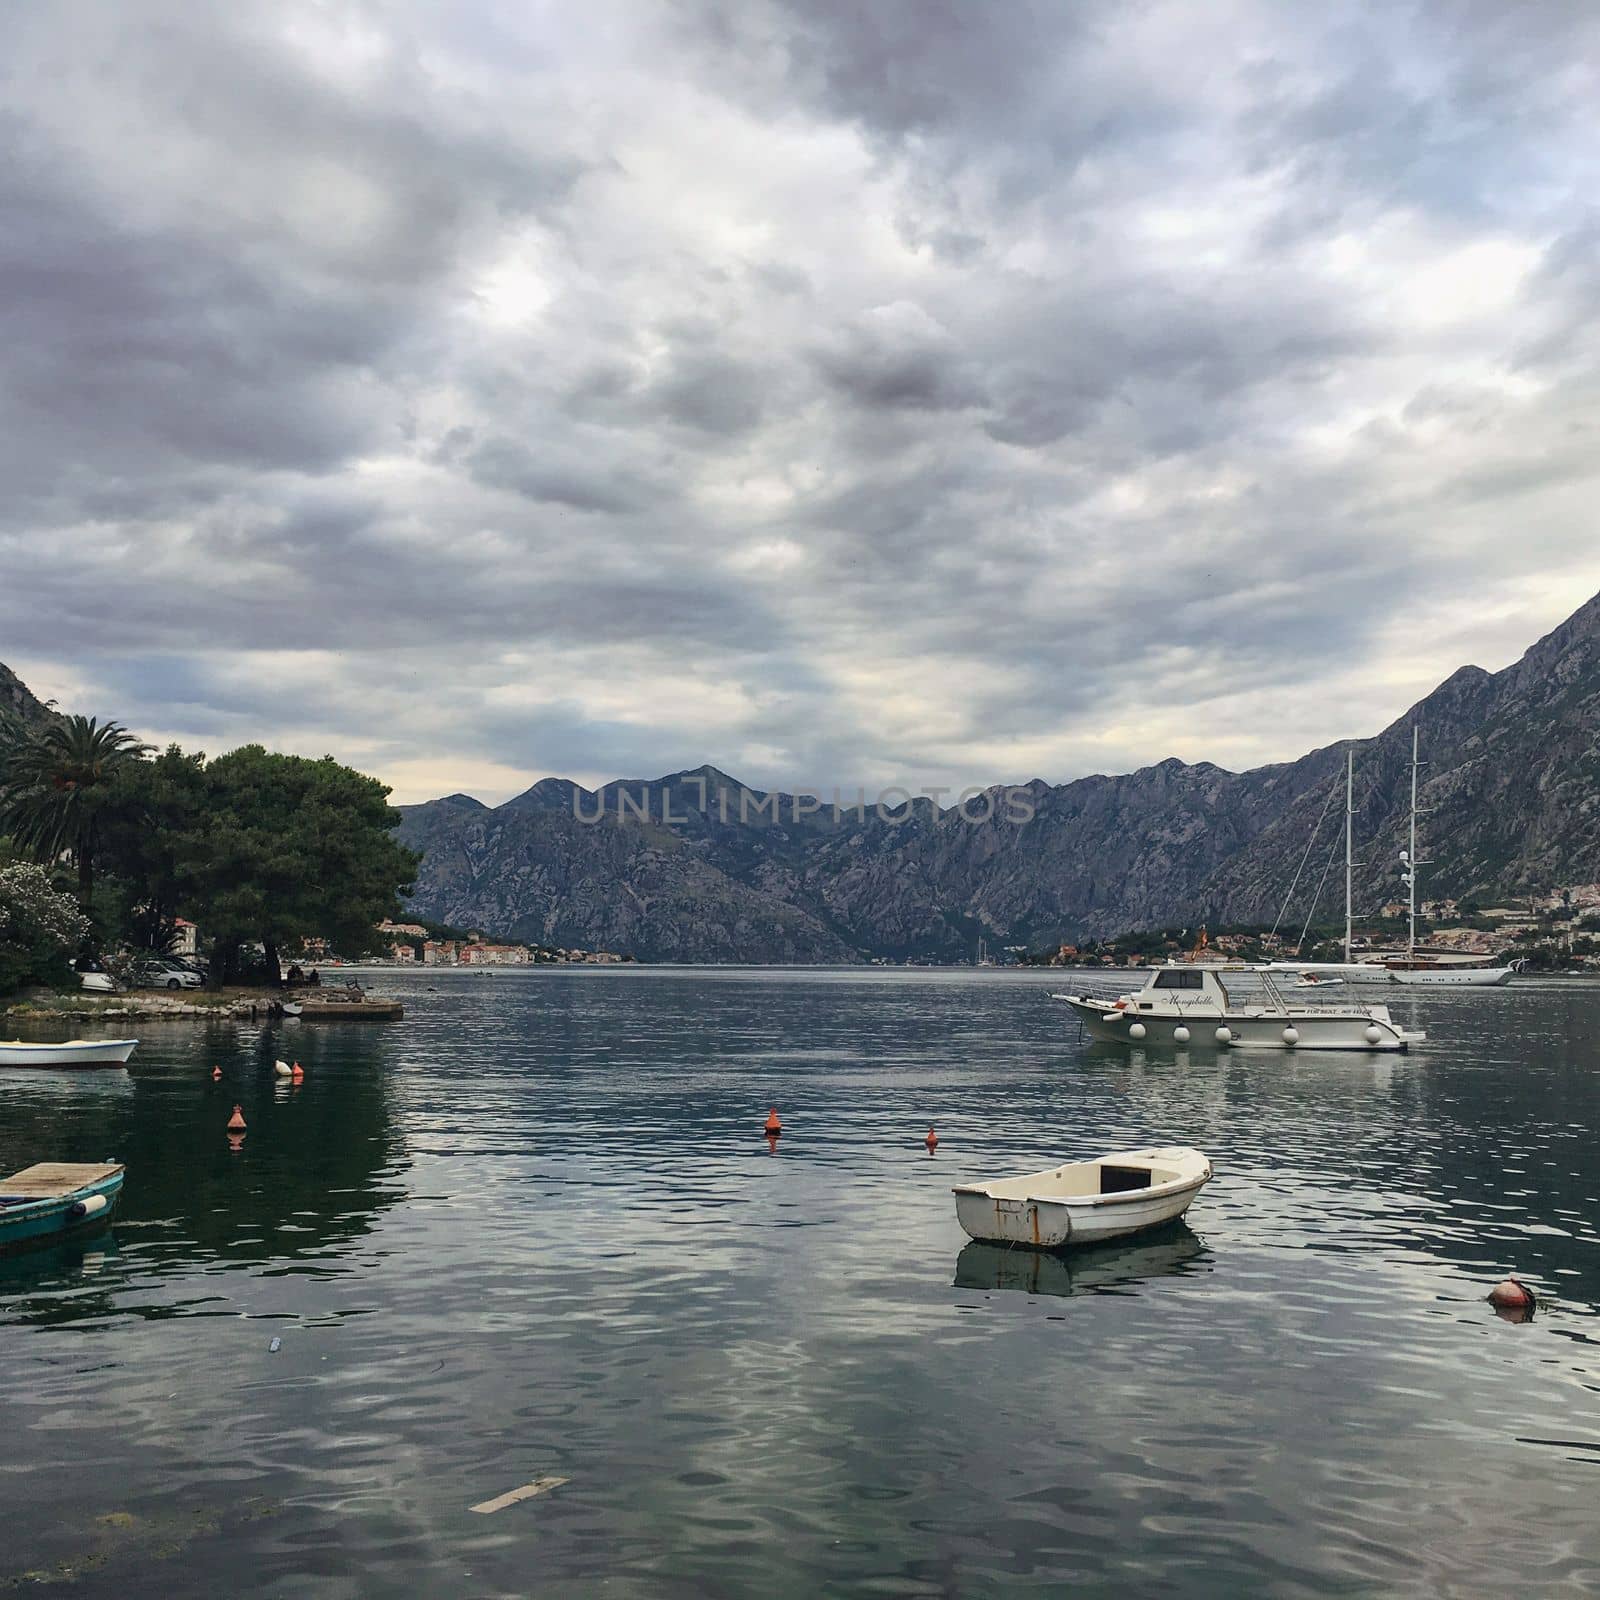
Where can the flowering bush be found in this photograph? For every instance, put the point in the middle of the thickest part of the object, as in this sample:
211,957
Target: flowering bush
39,928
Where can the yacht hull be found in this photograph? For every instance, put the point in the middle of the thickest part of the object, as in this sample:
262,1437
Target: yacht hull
1453,977
1290,1030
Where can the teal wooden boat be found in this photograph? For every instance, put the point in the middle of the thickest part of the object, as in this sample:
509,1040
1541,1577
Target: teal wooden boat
57,1200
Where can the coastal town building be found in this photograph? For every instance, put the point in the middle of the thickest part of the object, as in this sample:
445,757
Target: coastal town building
495,955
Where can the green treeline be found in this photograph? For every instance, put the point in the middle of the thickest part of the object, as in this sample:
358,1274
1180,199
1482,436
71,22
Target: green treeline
256,848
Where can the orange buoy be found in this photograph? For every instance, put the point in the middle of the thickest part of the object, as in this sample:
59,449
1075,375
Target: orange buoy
773,1125
931,1141
1512,1296
298,1075
216,1072
236,1121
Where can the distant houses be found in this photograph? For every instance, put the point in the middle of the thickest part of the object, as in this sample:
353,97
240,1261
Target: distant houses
409,941
495,955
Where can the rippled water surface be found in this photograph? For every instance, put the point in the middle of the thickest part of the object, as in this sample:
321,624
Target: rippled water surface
534,1230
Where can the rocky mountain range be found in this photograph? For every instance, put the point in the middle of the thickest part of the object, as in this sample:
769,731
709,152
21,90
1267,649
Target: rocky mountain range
696,867
17,700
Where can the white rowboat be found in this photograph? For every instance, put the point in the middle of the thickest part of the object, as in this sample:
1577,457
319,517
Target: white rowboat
73,1053
1084,1202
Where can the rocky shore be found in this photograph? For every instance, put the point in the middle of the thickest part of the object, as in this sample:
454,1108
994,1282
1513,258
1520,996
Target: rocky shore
42,1006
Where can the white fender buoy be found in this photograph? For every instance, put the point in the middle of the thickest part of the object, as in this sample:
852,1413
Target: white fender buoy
1224,1035
1374,1033
1136,1031
282,1068
1291,1036
1180,1034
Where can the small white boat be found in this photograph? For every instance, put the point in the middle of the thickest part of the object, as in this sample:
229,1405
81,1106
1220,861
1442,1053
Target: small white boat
291,1008
72,1053
1084,1202
1310,980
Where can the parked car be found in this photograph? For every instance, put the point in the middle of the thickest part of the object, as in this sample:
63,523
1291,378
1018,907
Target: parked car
94,978
162,972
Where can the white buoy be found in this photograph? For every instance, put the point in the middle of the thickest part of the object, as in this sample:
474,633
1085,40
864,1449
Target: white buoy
1136,1031
1224,1035
1291,1036
282,1068
1374,1033
1180,1034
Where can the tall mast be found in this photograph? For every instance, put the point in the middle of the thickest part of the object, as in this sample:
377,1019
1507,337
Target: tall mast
1349,842
1411,859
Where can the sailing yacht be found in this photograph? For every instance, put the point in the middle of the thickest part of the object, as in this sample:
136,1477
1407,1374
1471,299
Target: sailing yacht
1426,969
1417,968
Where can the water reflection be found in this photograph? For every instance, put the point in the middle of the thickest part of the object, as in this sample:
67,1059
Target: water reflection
536,1229
1172,1249
318,1163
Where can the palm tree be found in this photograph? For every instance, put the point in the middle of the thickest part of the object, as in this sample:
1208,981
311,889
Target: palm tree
54,781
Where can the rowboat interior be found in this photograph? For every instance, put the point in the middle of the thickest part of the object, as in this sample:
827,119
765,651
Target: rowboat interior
1078,1179
54,1180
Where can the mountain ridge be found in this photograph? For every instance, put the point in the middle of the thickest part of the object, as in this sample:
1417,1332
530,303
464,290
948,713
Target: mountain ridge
1511,780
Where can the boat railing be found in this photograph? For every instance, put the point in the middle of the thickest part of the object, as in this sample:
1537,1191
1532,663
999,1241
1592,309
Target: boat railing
1258,986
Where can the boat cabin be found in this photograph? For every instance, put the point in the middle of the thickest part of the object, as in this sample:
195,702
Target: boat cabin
1170,988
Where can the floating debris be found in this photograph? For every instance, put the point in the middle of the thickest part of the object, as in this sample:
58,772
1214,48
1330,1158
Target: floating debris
512,1496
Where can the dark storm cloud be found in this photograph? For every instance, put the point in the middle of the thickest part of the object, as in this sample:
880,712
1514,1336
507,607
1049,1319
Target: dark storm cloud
897,359
816,388
713,394
583,485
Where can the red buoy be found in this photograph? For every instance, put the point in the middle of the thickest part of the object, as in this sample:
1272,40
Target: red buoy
297,1074
236,1121
931,1141
1512,1296
773,1125
216,1073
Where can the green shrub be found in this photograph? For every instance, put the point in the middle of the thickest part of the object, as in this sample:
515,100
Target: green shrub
39,929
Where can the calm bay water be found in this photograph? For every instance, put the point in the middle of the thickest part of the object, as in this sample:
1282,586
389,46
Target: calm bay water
534,1229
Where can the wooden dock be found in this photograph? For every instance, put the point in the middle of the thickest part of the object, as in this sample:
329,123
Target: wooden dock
335,1008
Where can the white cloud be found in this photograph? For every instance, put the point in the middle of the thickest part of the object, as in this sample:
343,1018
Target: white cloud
821,391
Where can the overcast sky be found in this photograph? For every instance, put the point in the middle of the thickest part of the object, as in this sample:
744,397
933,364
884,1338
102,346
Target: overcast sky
843,393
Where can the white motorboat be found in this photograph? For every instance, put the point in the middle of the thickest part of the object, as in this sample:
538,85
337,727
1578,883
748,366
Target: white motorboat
71,1053
1316,980
1180,1005
1084,1202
